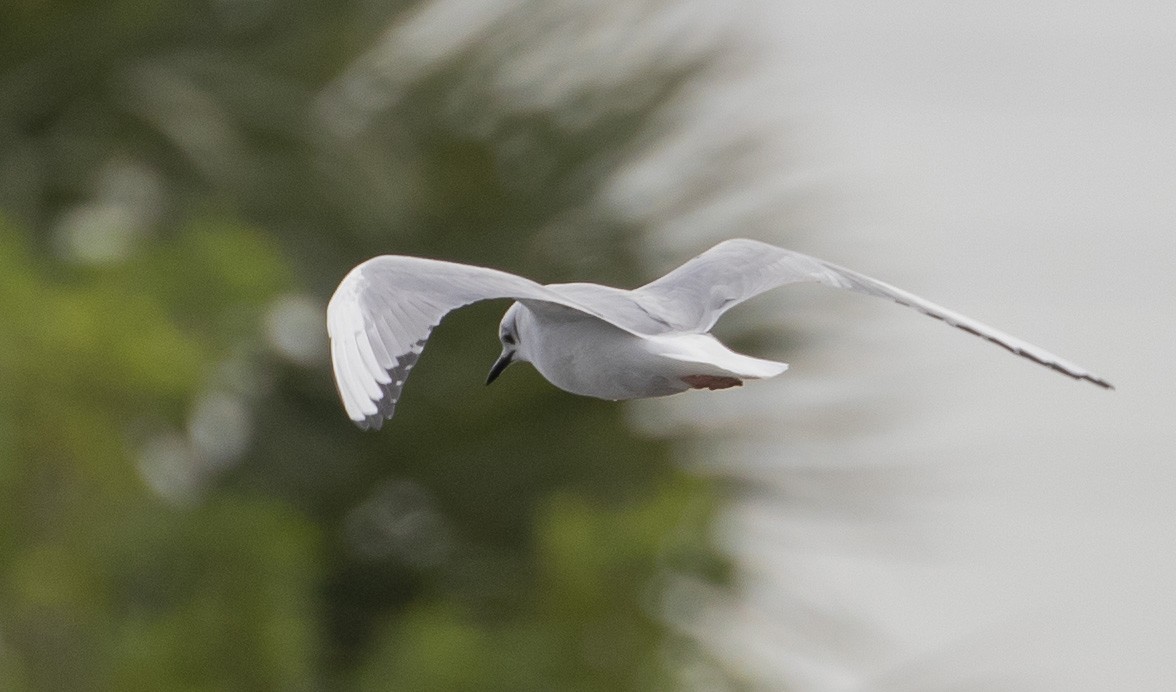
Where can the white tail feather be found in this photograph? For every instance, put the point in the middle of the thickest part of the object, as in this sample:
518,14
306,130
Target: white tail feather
705,350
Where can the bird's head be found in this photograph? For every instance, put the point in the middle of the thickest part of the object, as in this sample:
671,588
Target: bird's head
508,334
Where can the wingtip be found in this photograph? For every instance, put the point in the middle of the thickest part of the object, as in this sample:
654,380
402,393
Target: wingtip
1100,382
370,423
1088,377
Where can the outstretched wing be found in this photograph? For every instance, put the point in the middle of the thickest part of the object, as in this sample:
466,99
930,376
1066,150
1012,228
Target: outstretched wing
696,294
383,312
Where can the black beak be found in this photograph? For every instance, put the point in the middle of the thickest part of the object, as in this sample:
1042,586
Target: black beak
500,365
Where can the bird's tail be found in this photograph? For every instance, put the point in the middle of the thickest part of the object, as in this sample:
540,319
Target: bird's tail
713,358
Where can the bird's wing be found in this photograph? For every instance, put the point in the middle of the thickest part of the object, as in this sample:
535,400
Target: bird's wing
616,305
694,296
384,310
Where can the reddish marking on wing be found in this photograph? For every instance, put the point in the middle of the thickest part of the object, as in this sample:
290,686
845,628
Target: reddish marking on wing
712,382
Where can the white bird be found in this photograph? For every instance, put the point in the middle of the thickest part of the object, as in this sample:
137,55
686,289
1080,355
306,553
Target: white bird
586,338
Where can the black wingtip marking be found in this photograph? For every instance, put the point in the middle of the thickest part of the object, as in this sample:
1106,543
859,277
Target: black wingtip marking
390,392
1099,381
1093,379
370,423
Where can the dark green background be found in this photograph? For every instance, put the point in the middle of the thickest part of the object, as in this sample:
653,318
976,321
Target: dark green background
504,538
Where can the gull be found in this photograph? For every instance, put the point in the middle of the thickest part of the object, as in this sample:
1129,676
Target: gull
586,338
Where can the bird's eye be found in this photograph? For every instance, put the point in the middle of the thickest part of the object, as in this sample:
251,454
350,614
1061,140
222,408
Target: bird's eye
508,339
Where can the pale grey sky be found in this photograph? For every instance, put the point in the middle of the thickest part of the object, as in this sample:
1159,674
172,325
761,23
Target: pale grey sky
1017,162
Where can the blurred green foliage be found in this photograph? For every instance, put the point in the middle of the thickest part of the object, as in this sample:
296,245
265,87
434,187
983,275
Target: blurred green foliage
183,504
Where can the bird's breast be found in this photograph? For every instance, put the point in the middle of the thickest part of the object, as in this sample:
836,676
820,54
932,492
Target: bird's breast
593,358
